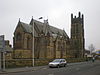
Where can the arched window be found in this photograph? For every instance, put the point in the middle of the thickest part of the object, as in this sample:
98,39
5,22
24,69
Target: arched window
18,41
28,43
18,36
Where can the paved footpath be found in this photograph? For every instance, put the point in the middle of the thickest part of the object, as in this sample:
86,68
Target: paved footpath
27,69
23,69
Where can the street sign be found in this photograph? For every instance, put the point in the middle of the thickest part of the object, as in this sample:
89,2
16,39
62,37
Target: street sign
2,43
2,53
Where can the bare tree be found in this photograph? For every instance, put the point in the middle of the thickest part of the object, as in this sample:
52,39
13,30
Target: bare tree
91,48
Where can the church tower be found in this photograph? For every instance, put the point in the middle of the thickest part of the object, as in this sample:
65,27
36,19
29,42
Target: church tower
77,35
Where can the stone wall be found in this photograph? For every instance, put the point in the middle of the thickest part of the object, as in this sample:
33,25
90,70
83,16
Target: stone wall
22,54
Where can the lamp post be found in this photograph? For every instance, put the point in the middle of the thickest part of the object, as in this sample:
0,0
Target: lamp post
33,44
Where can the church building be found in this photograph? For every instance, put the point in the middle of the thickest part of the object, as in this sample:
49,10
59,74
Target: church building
40,40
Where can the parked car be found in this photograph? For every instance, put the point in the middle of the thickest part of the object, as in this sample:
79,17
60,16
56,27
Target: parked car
58,63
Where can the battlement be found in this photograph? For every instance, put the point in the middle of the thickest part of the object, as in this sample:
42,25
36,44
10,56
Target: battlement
78,19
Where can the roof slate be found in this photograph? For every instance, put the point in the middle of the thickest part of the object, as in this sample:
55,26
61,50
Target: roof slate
27,28
42,27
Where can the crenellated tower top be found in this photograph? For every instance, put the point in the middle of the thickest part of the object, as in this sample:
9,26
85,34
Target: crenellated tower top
79,19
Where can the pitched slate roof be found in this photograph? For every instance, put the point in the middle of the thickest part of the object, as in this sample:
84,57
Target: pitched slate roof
27,28
42,27
39,26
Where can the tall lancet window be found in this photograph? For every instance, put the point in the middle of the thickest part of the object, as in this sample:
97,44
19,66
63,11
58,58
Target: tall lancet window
18,37
28,43
18,40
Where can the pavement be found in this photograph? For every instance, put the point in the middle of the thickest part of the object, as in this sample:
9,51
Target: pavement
27,69
23,69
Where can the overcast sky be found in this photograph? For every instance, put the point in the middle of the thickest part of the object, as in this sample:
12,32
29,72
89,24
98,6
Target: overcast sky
58,13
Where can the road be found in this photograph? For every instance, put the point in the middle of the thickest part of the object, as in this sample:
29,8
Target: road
84,68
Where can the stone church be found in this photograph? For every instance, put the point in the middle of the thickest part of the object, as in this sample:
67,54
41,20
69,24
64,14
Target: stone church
40,40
